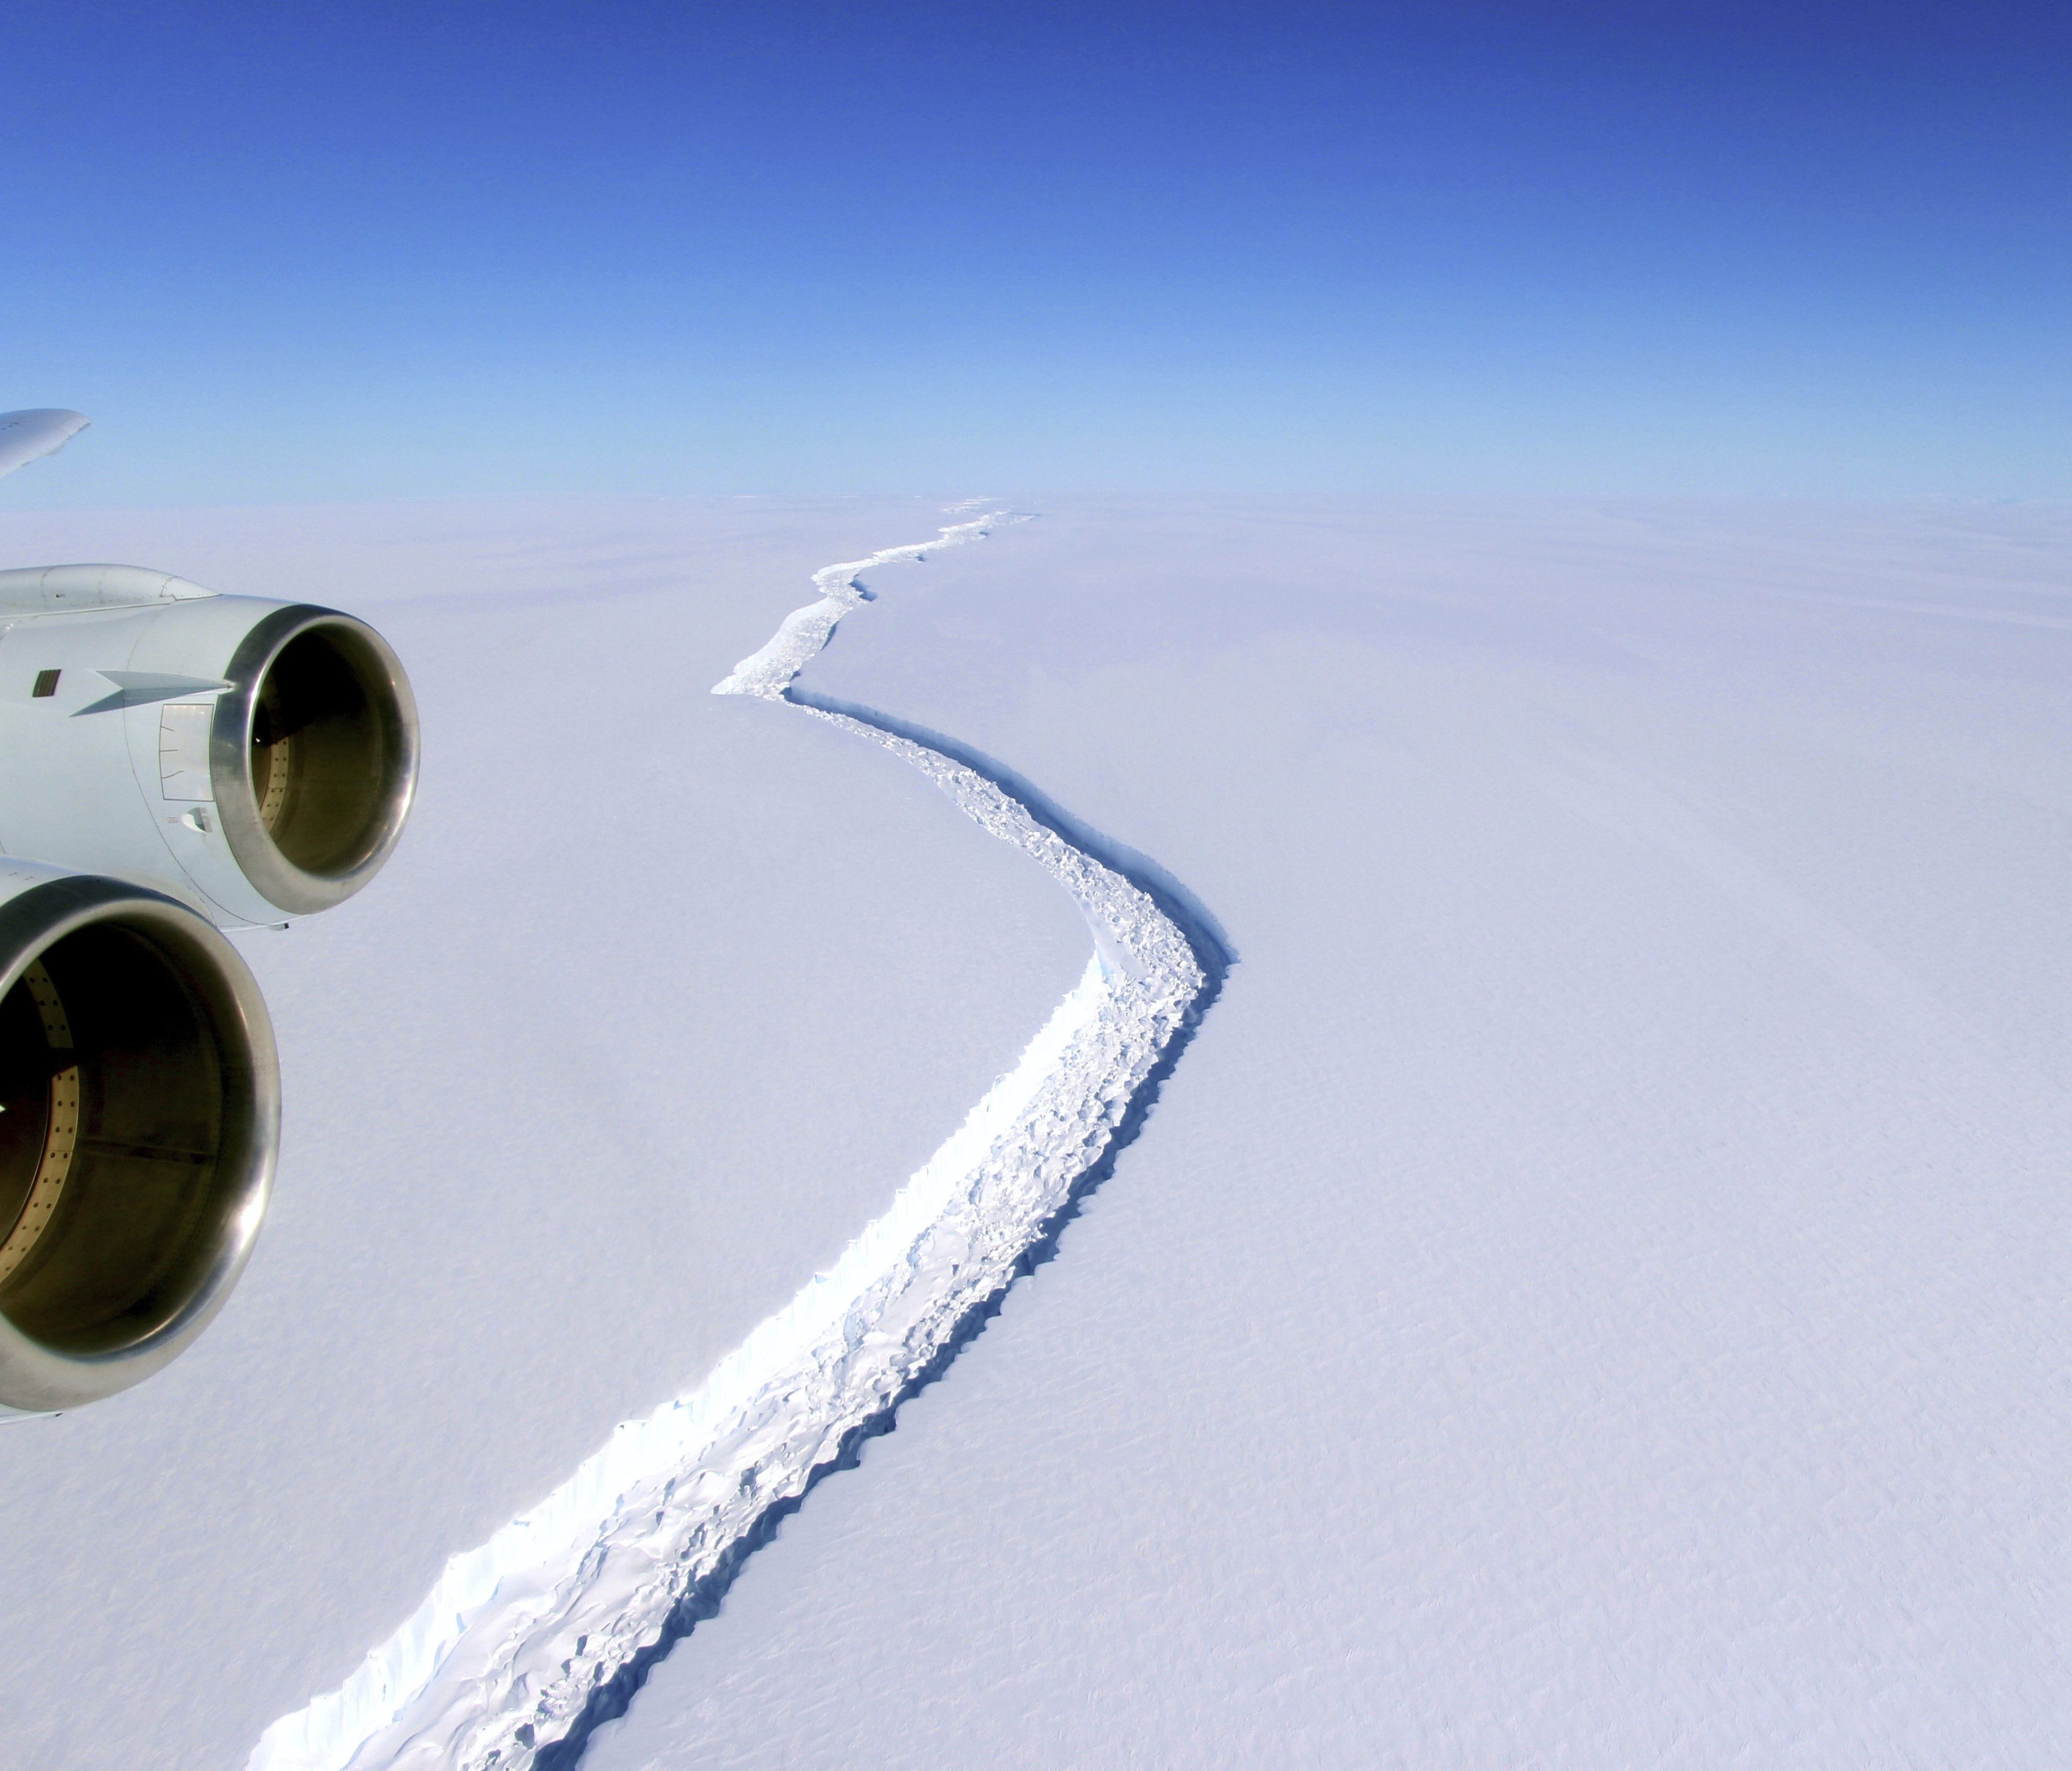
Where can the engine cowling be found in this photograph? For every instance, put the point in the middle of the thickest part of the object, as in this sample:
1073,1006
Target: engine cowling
177,763
258,758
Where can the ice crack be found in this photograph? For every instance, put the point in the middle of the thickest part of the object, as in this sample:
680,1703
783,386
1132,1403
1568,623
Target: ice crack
527,1641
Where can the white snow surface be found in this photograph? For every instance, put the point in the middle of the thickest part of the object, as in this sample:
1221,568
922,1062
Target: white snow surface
1591,1292
1594,1292
504,1657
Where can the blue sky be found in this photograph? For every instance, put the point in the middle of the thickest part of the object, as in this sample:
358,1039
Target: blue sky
419,249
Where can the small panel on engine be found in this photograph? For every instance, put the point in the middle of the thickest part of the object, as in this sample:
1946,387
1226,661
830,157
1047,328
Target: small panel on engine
184,733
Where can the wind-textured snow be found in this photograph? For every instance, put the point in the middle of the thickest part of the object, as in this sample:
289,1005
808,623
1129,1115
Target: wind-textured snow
509,1652
1596,1297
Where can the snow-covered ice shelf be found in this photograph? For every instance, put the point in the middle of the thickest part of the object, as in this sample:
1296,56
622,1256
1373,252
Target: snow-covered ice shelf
529,1639
1596,1296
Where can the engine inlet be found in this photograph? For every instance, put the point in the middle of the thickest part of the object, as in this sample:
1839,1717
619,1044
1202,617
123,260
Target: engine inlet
139,1115
314,756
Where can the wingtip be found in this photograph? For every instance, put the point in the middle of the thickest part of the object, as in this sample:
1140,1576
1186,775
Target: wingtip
37,431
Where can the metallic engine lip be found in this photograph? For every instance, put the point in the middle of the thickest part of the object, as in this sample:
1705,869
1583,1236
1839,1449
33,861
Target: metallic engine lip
35,1379
287,887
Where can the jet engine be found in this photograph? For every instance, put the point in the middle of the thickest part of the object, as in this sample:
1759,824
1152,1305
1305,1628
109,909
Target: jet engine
139,1113
173,764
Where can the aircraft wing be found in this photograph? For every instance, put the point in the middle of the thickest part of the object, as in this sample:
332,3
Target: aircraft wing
26,435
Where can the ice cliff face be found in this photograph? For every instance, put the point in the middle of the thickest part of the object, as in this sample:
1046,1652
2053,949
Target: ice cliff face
528,1640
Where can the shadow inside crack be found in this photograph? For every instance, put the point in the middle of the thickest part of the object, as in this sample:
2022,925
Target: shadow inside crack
611,1700
1213,951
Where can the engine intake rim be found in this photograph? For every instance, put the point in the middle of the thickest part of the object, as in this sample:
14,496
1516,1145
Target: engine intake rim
141,1124
313,756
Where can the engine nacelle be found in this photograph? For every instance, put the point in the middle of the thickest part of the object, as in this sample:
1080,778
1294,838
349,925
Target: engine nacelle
256,758
176,762
139,1120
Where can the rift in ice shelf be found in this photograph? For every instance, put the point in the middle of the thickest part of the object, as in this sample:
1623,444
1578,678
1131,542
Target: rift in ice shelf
176,763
